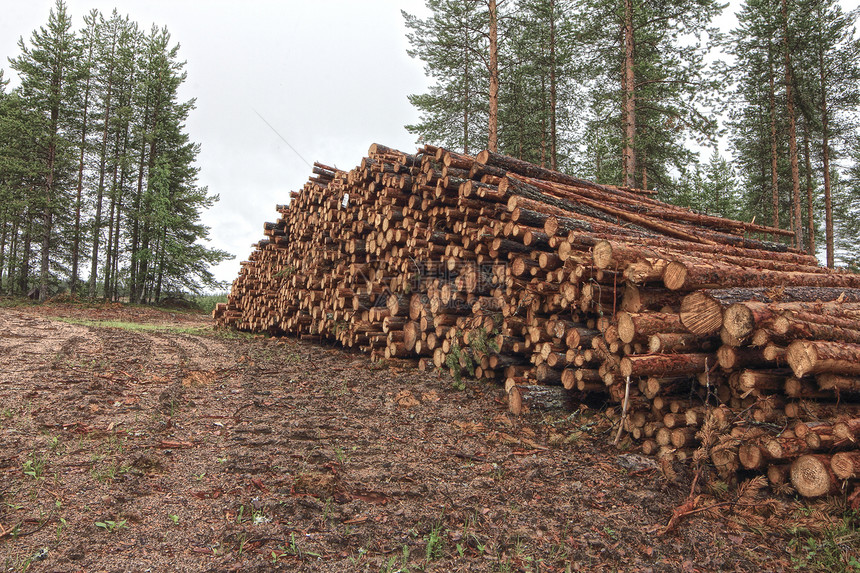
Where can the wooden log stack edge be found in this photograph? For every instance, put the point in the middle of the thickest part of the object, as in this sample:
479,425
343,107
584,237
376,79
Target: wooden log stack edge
704,333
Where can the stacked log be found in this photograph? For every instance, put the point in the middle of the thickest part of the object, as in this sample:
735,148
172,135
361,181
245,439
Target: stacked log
703,334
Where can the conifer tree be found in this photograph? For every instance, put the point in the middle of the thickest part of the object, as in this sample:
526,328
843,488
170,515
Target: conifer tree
646,63
455,111
45,66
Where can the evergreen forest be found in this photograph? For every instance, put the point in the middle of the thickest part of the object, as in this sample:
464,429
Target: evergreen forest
757,123
98,183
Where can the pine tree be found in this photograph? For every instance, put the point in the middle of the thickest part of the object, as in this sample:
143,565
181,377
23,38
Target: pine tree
44,68
833,94
646,63
540,82
455,112
719,194
758,117
86,64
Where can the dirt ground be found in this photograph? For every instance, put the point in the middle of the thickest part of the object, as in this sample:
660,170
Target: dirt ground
173,447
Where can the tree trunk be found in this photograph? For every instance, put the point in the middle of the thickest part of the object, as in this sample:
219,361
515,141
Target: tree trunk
466,101
810,203
846,465
666,364
24,275
825,159
818,356
774,170
13,255
97,223
797,220
3,238
522,399
629,101
76,243
812,476
553,150
493,132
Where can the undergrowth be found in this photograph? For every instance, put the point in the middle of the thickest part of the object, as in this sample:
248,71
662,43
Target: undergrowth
836,548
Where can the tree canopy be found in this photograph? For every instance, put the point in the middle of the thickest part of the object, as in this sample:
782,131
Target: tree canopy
97,172
642,93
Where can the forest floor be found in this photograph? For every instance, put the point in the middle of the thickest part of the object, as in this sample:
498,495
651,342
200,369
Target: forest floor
137,439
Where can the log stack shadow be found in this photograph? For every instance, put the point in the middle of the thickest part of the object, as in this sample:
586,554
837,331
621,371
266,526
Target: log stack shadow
713,338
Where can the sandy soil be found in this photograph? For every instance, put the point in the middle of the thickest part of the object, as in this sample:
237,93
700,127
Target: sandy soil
183,449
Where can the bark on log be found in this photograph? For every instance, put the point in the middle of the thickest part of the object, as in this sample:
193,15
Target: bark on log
666,364
713,274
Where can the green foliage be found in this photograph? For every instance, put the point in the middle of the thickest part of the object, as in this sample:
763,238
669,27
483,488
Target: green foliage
460,359
96,169
836,549
206,302
452,43
112,526
435,542
34,466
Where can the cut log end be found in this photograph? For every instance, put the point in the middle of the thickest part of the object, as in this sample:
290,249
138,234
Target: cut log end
701,314
846,465
738,321
675,275
602,254
811,476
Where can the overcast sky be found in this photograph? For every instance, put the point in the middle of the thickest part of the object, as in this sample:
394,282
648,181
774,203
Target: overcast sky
330,76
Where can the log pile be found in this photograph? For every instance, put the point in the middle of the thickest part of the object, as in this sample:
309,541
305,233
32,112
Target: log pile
712,341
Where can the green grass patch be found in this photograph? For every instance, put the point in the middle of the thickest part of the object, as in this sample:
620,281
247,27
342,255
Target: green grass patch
15,302
124,325
836,549
226,334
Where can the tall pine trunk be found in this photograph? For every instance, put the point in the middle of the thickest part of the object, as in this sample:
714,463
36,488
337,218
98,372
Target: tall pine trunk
553,95
97,221
48,212
134,250
24,273
493,135
3,239
797,219
629,99
466,103
825,159
774,167
13,255
810,203
76,240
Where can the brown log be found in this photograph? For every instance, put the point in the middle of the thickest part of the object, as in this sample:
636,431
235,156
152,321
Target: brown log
812,476
804,389
666,364
642,325
817,357
846,465
788,294
838,383
847,429
733,358
778,474
678,343
522,399
741,319
701,313
791,327
713,274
